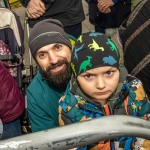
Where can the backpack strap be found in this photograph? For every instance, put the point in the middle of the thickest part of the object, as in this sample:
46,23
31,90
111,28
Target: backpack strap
6,37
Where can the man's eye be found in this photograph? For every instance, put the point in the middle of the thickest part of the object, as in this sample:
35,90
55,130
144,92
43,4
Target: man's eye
42,55
58,47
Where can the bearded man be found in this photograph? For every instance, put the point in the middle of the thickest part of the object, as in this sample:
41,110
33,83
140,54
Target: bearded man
51,49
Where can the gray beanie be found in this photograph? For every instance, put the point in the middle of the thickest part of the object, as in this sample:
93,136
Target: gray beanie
47,32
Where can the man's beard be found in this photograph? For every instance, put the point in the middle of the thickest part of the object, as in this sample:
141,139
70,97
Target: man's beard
61,78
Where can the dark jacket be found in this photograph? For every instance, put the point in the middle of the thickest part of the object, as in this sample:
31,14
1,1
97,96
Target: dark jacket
135,35
119,12
68,12
12,103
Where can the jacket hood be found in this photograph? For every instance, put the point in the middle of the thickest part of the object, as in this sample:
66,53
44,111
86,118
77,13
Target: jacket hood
75,88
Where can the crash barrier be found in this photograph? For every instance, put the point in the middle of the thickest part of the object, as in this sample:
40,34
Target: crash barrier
80,134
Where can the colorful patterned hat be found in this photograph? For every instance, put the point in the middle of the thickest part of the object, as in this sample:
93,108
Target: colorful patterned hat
93,50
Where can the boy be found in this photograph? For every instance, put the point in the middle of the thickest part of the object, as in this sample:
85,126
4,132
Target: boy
101,86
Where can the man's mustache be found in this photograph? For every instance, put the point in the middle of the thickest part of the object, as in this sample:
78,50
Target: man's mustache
59,63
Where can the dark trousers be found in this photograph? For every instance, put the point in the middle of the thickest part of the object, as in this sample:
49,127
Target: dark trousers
74,30
11,129
99,29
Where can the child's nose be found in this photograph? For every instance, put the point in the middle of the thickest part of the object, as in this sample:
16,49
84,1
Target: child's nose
100,83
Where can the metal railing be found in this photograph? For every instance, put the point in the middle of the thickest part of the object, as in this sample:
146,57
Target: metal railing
80,134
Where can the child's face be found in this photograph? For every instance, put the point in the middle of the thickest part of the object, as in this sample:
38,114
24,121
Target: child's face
99,83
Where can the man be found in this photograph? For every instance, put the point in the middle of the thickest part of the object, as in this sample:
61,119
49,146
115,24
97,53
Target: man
51,49
69,12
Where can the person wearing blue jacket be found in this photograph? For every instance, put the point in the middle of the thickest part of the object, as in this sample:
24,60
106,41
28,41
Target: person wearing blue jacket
100,86
51,48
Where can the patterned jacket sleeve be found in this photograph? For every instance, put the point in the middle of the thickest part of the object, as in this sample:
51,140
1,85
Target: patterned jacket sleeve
140,98
63,117
142,106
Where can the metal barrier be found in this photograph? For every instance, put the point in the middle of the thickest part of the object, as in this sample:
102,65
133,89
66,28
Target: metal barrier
79,134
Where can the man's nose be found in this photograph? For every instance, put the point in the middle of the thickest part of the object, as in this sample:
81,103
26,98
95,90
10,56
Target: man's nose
53,58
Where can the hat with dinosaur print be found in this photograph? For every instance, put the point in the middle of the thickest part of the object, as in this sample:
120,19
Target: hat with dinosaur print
93,50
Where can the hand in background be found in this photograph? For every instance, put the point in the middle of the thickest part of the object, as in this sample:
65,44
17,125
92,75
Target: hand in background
35,9
104,5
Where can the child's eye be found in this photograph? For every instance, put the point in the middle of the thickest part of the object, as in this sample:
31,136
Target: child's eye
88,76
109,73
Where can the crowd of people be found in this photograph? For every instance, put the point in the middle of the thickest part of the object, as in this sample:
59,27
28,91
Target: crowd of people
78,82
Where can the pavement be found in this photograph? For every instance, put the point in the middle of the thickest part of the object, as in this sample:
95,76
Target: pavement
86,26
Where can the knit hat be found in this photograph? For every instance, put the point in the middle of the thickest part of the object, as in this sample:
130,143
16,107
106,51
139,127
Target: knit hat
94,50
47,32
